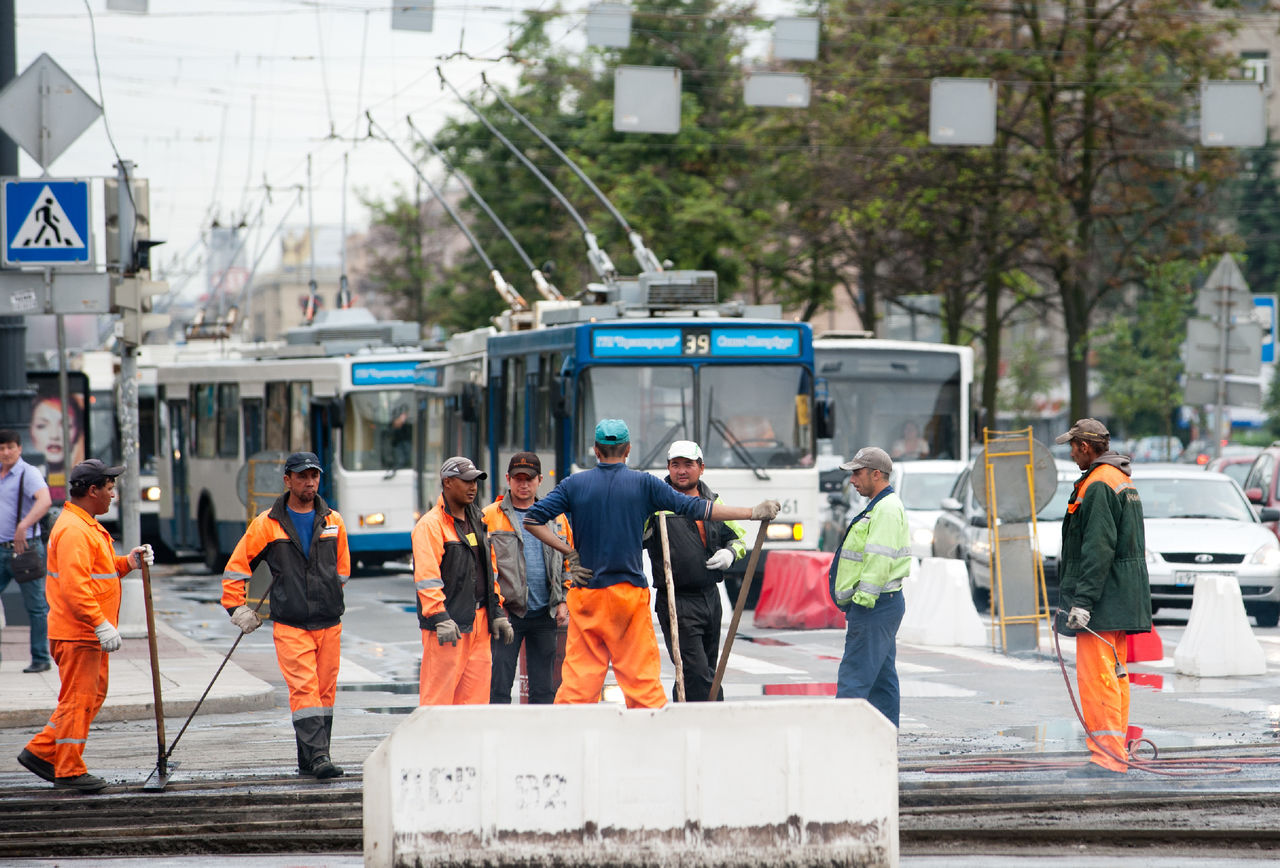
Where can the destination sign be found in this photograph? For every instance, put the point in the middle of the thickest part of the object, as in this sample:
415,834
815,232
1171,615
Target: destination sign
695,341
383,373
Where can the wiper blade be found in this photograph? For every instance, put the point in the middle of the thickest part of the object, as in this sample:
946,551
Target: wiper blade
737,447
659,446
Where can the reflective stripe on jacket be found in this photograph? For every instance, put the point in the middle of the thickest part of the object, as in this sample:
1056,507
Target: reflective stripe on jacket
444,570
876,553
83,576
306,589
506,549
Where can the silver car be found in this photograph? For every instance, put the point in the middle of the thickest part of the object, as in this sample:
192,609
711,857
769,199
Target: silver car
1199,523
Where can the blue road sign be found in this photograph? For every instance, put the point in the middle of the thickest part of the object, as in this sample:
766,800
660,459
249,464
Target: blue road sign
1266,305
45,222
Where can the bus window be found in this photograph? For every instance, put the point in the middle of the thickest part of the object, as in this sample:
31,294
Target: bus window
768,429
277,417
228,420
204,431
656,403
514,383
147,427
299,417
431,454
544,427
252,409
377,433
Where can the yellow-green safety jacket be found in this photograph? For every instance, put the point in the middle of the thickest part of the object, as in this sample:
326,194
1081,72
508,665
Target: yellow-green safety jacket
875,556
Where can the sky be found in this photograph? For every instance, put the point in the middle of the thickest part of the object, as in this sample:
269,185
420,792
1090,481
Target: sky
221,104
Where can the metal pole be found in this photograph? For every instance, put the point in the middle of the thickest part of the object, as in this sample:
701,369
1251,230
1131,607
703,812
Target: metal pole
64,390
1220,411
15,397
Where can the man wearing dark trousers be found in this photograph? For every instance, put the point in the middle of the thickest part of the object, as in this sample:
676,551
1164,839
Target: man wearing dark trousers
531,578
700,552
304,542
24,500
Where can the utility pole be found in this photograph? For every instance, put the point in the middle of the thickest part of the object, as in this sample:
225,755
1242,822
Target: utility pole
15,397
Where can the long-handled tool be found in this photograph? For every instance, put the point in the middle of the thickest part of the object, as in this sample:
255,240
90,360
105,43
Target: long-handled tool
159,777
671,606
737,610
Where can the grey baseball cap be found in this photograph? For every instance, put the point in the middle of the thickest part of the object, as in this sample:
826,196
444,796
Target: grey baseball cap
870,456
462,468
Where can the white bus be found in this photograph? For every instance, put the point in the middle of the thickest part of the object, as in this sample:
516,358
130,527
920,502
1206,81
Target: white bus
355,411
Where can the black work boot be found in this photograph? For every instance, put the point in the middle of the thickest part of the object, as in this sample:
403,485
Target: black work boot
313,742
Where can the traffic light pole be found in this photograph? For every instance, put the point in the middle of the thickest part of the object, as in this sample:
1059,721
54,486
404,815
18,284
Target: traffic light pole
15,397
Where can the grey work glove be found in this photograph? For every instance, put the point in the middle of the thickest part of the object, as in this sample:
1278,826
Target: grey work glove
1077,618
765,510
447,631
502,630
246,619
721,560
140,555
108,637
578,574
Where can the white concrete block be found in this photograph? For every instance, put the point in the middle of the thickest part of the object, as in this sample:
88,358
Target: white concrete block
761,783
1218,640
940,609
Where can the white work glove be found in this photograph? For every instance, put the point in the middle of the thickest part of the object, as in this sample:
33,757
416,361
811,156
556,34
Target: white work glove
578,574
143,554
246,619
502,630
1077,618
765,510
721,560
447,631
108,637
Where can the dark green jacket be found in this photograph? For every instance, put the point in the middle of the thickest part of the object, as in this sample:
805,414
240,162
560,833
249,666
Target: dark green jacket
1104,566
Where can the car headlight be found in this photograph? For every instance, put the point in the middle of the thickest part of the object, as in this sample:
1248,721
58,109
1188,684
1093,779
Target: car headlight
151,493
981,547
922,536
1267,556
1153,558
373,519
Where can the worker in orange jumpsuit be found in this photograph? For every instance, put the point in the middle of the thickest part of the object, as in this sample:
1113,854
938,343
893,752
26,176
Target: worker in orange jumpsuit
458,601
83,590
304,543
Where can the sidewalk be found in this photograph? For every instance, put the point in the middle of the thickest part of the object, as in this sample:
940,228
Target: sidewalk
27,700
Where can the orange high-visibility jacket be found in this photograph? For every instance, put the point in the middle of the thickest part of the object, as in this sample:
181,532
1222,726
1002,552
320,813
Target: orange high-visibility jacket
444,569
83,584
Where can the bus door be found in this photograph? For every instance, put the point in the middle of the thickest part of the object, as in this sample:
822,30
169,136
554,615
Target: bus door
324,416
183,529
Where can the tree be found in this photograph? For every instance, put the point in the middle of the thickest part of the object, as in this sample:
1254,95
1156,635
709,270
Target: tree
1257,217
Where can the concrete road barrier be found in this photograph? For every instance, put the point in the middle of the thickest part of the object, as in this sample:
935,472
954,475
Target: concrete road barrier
1218,640
940,609
759,783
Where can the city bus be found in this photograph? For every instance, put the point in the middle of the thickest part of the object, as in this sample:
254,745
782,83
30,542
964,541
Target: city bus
353,409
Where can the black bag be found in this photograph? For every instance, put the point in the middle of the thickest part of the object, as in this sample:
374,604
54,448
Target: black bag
28,566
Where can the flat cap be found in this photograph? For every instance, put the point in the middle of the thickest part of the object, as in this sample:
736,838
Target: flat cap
1085,429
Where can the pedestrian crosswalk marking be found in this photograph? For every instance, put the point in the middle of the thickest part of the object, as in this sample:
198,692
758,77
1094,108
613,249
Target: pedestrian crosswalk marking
47,225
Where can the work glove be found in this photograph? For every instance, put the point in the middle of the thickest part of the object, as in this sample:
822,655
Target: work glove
502,630
578,574
865,600
765,510
447,631
721,560
108,637
246,619
143,554
1077,618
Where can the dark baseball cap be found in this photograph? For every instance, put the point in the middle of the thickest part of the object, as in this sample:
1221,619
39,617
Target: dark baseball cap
525,462
300,461
93,470
461,468
1085,429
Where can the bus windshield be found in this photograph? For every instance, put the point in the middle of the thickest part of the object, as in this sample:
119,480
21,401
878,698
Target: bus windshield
655,401
377,433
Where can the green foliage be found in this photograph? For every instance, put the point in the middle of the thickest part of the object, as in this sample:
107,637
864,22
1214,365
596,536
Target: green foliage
1257,214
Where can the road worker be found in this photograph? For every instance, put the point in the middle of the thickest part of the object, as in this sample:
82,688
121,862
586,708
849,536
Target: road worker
304,543
83,591
609,618
700,553
459,606
531,578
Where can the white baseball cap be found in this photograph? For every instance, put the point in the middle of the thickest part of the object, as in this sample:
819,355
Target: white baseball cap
684,449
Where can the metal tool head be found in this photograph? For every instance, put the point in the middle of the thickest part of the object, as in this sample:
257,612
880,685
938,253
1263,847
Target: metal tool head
159,777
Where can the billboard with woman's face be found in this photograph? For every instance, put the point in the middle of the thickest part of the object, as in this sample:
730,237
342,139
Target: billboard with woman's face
44,446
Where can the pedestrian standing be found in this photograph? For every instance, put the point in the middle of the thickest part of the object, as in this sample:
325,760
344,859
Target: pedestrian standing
458,601
700,553
304,544
866,583
83,591
609,620
1104,585
531,578
24,500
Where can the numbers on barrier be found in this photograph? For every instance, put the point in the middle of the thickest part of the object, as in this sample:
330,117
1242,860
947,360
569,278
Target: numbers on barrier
540,792
450,785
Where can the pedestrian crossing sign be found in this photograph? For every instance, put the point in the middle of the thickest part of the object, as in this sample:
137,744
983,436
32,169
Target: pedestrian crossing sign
45,222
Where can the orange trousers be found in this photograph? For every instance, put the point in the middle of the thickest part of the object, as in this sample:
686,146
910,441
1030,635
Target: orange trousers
611,624
309,663
82,668
457,674
1104,698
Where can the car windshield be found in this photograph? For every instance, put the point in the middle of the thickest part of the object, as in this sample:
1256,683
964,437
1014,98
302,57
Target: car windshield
924,490
1237,471
1174,497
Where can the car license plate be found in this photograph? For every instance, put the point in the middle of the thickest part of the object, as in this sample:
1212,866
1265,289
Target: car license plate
1187,578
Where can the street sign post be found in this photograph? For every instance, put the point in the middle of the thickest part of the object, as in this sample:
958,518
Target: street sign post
1266,311
44,110
1236,394
45,222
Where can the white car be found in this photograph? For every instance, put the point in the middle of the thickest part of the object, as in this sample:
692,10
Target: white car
922,485
1199,523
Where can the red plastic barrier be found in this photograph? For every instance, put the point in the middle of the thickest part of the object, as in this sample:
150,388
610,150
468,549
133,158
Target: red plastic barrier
1144,646
794,592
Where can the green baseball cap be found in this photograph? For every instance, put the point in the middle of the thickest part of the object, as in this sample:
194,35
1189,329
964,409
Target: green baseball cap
611,432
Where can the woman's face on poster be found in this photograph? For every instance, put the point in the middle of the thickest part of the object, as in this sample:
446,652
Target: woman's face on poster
46,431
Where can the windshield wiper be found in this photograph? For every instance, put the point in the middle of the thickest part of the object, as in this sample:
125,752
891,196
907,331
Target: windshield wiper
1219,516
659,446
737,447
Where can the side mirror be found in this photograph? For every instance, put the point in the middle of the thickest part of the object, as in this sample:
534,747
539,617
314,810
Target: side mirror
1268,514
978,520
838,501
1253,494
824,415
950,504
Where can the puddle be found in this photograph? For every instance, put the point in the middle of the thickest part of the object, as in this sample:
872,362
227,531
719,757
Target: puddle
386,687
389,709
820,688
1147,679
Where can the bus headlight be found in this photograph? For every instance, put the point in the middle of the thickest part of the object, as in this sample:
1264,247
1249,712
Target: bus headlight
785,531
373,519
151,493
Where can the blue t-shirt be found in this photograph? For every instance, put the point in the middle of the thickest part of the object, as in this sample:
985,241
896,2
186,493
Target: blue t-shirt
535,569
304,523
608,505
